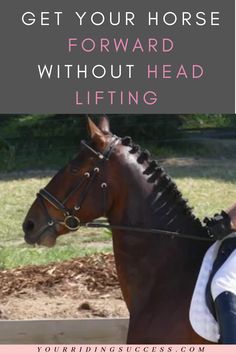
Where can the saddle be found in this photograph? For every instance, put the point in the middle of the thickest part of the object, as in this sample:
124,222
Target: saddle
219,226
227,246
202,311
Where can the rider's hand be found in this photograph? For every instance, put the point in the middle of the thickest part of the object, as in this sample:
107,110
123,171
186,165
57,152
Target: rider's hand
219,226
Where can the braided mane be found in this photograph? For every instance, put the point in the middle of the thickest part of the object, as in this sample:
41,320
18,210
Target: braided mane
163,184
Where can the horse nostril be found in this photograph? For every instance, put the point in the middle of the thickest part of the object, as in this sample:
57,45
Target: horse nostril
28,226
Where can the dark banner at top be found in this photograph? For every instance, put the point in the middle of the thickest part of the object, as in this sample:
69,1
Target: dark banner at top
162,56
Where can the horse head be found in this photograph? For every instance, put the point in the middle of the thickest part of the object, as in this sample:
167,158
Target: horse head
77,194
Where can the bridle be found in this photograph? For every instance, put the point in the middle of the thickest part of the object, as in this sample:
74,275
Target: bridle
72,221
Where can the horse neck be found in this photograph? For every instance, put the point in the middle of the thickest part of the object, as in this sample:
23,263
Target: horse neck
148,198
152,201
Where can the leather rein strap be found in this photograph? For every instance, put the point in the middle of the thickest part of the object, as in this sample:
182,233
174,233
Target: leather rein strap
72,222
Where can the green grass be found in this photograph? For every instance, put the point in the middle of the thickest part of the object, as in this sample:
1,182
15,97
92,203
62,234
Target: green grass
209,184
12,257
17,193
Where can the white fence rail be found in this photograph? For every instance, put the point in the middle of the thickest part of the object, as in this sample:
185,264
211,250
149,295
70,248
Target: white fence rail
74,331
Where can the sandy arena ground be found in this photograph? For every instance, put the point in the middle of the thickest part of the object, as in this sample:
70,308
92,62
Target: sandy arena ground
81,288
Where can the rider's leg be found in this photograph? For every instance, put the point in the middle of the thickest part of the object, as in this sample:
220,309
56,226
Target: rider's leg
223,288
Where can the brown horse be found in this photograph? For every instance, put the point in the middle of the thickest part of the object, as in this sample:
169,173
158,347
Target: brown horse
157,273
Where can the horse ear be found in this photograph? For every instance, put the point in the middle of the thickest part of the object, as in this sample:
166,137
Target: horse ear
104,124
96,134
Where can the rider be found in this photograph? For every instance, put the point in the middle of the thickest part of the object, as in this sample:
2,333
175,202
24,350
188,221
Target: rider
223,279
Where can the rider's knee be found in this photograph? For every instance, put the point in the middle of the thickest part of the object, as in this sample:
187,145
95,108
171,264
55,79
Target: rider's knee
223,280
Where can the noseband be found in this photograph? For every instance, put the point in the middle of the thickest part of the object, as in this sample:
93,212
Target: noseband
71,221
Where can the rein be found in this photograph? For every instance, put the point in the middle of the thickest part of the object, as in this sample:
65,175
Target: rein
149,231
73,223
